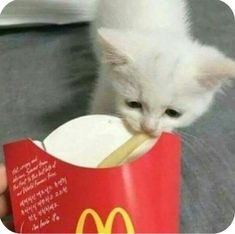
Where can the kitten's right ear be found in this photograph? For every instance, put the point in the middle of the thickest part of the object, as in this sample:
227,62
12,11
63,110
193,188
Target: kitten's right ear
117,46
216,69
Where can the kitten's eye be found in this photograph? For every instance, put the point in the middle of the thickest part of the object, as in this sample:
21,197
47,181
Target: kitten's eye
173,113
134,105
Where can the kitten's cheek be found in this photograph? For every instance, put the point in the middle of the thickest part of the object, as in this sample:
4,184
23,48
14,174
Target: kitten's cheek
165,128
133,125
168,130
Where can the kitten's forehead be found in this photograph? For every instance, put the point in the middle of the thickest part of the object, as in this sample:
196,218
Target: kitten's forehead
158,66
156,81
156,95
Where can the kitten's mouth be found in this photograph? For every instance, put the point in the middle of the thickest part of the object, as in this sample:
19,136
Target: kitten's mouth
153,134
135,130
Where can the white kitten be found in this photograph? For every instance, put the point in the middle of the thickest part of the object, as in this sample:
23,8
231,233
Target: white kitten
152,72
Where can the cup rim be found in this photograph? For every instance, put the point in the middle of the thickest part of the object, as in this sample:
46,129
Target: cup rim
164,136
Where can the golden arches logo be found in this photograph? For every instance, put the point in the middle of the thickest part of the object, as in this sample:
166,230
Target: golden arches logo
107,226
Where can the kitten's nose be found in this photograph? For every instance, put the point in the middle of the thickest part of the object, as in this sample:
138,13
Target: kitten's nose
150,129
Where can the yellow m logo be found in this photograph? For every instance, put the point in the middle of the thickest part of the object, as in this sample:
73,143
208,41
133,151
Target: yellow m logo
107,226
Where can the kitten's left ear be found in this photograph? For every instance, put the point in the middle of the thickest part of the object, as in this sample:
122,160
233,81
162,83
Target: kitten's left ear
215,69
119,47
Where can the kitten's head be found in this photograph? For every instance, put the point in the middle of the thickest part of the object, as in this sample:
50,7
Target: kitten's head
162,85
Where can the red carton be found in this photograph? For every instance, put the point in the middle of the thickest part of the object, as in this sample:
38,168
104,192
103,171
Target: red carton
49,195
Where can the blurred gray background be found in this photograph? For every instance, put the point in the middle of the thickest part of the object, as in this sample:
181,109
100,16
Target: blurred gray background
46,78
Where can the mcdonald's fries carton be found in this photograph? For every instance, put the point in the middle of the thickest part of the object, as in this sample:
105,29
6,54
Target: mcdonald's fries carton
55,186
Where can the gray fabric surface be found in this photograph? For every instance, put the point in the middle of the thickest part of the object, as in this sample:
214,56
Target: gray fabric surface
46,77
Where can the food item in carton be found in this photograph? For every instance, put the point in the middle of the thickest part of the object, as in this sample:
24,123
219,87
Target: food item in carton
122,154
89,140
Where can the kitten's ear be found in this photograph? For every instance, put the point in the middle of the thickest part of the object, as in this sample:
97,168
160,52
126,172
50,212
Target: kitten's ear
118,48
215,69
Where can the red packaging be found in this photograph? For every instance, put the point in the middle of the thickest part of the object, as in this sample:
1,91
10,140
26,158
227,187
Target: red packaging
52,196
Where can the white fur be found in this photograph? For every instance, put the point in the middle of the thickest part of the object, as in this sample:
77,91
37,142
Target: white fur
147,54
